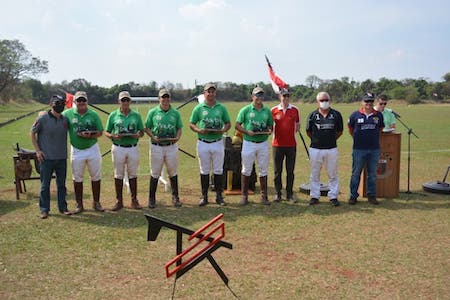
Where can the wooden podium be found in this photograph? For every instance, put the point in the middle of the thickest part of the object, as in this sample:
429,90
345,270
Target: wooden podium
388,171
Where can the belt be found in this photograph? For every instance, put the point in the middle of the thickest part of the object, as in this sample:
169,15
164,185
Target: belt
208,141
257,142
125,146
163,144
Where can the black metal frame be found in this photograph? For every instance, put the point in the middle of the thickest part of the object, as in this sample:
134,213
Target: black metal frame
154,226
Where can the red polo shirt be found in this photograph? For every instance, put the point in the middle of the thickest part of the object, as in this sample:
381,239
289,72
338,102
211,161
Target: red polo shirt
284,125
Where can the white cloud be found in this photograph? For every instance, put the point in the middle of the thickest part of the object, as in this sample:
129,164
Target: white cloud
203,9
260,29
397,54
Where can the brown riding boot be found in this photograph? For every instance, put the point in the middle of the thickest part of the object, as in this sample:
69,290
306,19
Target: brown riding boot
133,188
96,196
263,184
244,189
78,189
119,198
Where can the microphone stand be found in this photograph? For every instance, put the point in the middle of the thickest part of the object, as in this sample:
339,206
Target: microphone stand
410,131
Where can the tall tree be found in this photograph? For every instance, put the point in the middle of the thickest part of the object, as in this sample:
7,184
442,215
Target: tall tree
313,81
17,62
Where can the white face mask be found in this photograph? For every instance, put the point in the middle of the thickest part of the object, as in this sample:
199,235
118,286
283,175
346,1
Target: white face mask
324,104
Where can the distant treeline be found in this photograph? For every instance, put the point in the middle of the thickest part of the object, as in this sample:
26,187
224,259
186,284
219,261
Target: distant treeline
341,90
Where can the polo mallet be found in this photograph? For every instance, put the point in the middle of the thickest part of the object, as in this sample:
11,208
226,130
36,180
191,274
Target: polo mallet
304,144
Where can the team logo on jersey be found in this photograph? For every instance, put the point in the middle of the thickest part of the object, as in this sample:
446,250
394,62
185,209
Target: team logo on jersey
317,117
131,128
376,120
75,120
331,116
158,118
259,126
205,113
360,120
252,115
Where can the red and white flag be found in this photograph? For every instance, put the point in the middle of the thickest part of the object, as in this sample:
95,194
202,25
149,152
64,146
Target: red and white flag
276,81
69,100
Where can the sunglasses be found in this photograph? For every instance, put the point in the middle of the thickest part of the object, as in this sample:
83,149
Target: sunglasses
383,103
81,100
368,101
286,95
125,100
259,95
324,100
165,96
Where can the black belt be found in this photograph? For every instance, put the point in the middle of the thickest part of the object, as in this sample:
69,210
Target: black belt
125,146
162,144
257,142
209,142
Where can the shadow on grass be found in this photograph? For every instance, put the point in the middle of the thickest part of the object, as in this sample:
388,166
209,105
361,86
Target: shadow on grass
125,218
7,206
192,216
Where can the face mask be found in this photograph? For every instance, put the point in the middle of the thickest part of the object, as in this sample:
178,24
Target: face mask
58,108
324,105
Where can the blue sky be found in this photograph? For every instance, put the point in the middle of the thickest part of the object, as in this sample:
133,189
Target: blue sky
117,41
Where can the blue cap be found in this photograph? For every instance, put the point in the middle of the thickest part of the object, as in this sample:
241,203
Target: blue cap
56,98
369,97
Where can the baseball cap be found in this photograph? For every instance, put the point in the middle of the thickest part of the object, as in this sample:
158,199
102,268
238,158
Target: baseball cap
368,97
163,92
208,86
257,90
56,98
284,91
80,94
124,94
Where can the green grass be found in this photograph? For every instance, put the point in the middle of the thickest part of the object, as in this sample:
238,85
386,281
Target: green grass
397,250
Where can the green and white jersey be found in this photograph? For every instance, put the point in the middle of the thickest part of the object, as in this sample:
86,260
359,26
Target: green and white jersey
206,117
164,124
89,121
119,123
388,118
255,120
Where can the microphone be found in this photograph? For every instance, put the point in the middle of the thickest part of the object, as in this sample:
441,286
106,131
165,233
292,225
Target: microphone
395,114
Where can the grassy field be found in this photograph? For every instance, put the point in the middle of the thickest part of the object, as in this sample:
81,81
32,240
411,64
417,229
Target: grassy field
397,250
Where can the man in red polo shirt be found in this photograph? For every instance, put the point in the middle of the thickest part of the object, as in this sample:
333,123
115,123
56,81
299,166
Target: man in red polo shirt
286,120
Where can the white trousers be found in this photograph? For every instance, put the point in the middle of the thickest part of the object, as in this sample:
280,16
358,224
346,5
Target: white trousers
160,155
211,154
252,152
125,157
328,158
90,157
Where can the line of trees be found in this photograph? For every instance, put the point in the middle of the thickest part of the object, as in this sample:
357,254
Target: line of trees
18,69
